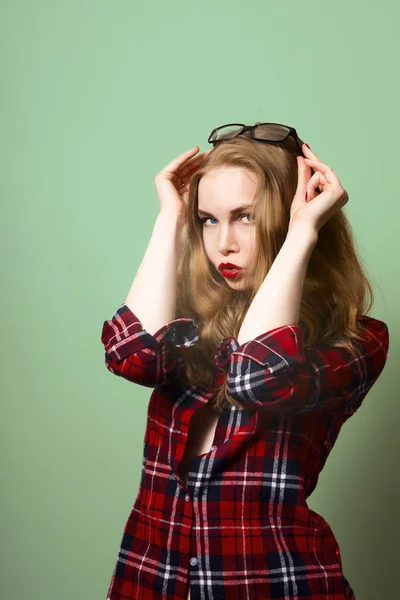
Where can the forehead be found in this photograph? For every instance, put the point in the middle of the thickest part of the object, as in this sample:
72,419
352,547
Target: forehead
227,182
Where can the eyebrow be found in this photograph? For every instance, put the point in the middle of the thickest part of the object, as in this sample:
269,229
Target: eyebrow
232,212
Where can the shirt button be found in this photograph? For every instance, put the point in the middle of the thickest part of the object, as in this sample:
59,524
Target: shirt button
187,497
193,561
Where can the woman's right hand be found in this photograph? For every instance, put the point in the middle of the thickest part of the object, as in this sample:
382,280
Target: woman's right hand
172,182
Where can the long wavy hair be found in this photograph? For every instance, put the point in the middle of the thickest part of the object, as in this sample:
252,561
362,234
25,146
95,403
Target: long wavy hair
336,290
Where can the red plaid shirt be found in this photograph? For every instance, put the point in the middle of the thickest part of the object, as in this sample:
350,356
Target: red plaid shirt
241,529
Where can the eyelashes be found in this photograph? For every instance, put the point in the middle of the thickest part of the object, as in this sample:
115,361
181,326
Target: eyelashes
204,219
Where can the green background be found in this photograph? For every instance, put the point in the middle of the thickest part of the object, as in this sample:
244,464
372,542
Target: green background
96,98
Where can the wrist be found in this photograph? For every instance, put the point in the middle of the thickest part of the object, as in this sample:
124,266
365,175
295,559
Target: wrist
171,216
304,229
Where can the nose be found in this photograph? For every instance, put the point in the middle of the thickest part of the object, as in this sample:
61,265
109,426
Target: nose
227,240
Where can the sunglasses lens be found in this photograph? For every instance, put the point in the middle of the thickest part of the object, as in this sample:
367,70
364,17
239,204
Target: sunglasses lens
226,133
272,132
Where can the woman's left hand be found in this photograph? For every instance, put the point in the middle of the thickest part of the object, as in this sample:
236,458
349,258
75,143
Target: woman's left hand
319,207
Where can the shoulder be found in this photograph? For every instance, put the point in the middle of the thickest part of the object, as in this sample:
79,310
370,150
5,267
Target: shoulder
375,330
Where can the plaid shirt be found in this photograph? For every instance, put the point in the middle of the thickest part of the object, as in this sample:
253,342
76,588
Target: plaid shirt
241,529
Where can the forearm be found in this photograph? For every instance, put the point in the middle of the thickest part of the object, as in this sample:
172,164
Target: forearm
152,296
278,299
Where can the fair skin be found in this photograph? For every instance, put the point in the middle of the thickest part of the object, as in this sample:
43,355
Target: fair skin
227,237
231,239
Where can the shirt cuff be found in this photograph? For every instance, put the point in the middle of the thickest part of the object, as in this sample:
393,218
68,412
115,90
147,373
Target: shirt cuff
182,333
277,348
124,334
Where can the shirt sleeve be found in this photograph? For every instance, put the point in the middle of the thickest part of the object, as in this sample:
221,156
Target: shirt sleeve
133,353
275,373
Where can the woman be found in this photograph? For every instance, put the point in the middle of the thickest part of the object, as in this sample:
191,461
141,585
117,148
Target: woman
254,370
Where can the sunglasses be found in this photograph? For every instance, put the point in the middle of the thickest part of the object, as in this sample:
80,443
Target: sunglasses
263,132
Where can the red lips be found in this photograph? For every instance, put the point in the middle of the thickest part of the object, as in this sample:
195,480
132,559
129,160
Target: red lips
227,265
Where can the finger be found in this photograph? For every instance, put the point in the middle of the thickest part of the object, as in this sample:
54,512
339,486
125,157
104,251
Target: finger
193,163
316,181
309,153
180,160
304,174
328,172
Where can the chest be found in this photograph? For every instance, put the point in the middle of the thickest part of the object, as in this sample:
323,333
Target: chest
200,437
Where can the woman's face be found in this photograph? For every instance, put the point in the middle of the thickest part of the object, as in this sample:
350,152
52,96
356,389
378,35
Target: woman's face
225,199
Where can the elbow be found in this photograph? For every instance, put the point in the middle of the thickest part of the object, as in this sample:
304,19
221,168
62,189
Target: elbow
279,392
134,370
112,365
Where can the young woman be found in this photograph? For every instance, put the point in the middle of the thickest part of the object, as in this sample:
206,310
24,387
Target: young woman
248,319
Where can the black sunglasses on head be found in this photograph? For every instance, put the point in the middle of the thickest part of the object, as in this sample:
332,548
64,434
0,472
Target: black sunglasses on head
263,132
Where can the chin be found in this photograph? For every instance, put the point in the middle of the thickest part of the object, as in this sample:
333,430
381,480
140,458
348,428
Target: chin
237,285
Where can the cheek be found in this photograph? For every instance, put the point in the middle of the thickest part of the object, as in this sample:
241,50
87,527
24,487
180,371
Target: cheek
248,240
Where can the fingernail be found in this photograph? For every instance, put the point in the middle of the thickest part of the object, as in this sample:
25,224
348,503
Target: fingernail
307,145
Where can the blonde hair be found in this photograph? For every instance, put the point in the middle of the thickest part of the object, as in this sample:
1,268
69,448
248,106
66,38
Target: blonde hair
336,289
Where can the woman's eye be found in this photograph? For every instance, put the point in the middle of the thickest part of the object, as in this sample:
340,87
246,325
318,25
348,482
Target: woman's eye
204,219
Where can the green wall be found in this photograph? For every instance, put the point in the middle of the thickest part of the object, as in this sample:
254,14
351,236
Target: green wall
96,98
